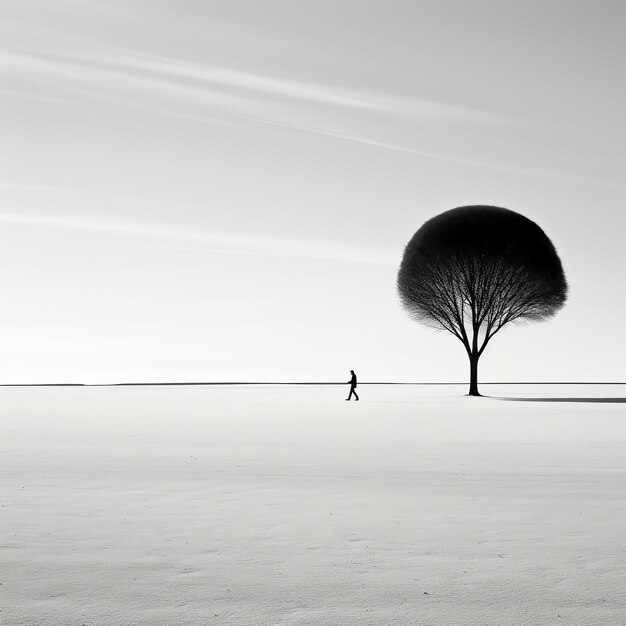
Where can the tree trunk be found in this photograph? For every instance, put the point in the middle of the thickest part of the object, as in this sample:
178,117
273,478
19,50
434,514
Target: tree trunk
473,390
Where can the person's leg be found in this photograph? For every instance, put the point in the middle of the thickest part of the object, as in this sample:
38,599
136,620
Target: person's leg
350,394
356,395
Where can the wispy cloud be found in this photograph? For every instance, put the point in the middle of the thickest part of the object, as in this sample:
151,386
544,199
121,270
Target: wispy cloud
440,156
200,81
222,96
202,239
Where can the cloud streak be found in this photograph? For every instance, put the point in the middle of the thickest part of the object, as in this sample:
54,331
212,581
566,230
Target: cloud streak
222,96
193,80
204,240
214,95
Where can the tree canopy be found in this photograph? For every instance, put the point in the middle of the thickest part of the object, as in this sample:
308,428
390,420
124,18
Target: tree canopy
474,269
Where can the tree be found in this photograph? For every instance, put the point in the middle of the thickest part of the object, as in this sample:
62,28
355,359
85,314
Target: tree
474,269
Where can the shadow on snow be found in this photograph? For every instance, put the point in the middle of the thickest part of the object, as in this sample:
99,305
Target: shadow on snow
591,400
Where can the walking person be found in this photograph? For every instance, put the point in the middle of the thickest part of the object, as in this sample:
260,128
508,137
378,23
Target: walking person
352,383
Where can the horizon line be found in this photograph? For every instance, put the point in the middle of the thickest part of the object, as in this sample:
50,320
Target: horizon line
250,383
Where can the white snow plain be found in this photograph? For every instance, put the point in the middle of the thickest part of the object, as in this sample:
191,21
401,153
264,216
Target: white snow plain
286,505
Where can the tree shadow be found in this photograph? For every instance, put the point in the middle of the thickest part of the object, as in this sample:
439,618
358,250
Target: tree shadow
590,400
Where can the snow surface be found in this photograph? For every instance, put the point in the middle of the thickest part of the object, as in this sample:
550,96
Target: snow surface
287,505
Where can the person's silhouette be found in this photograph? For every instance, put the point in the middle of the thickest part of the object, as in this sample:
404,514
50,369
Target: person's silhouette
352,383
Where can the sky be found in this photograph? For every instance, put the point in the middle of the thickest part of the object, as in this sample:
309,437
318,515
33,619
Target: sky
199,190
